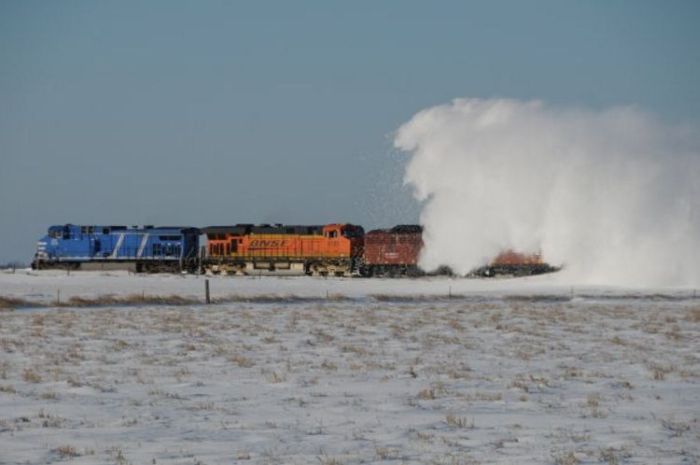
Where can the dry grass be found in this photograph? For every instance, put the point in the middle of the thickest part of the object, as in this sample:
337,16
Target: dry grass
566,458
417,298
693,315
326,460
278,299
132,299
676,428
543,298
458,422
659,372
66,452
276,378
386,453
612,456
10,303
242,361
31,376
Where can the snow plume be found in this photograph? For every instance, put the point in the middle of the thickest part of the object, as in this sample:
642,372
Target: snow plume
612,195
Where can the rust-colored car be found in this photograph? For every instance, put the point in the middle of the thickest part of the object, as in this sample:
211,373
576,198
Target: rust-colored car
393,252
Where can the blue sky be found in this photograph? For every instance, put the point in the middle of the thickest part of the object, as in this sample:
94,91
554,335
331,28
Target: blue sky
213,112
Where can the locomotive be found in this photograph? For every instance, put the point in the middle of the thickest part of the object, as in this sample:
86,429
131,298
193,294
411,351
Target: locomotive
329,250
245,249
147,248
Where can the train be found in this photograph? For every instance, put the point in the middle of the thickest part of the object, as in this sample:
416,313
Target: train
336,249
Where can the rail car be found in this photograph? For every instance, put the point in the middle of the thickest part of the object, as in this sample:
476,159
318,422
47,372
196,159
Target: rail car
510,263
393,252
147,248
327,250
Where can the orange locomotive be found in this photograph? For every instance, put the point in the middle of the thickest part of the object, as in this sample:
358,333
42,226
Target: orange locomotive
330,250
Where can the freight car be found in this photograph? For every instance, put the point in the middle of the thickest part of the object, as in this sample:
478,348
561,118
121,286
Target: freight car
138,249
329,250
510,263
393,252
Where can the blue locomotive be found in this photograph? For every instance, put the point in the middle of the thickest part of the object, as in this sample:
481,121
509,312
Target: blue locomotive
147,248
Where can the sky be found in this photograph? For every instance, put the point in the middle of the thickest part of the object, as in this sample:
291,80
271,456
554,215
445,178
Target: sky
209,112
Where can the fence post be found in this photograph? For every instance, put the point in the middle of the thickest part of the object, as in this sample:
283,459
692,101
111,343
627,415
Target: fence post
206,291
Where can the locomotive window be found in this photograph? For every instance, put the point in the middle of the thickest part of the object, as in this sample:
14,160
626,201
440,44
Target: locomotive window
105,230
333,234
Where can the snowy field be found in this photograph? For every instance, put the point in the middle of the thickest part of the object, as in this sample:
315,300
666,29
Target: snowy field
345,371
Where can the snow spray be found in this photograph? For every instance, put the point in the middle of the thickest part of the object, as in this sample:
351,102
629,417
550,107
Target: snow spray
612,194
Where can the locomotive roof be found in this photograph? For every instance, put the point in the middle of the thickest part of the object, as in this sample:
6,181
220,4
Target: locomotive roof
264,229
113,227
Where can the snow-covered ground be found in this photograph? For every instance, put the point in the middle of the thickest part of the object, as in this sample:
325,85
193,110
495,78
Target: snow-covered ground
428,371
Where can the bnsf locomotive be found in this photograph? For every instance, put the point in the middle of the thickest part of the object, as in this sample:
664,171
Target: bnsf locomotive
245,249
330,250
